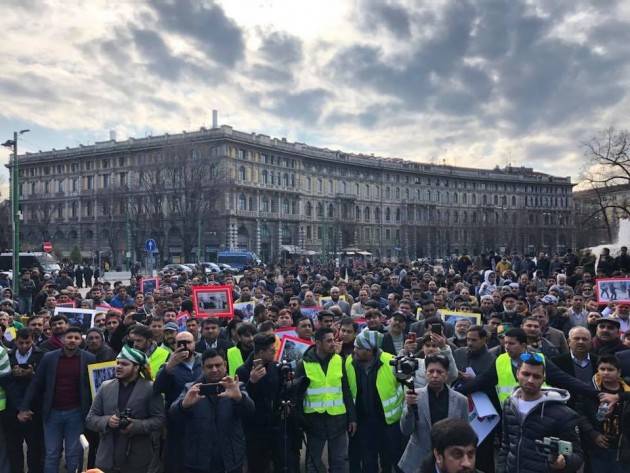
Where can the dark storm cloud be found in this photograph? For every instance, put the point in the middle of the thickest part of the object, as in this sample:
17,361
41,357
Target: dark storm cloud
205,23
305,106
485,52
281,48
29,86
389,16
160,60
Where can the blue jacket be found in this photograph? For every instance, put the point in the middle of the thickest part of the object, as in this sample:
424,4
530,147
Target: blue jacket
171,385
43,383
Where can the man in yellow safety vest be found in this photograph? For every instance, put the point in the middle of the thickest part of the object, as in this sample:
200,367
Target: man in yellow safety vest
237,355
378,397
326,402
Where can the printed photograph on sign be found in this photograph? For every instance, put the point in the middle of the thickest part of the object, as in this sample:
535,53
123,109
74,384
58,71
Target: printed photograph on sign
83,318
149,285
98,373
451,317
247,308
292,349
213,301
613,290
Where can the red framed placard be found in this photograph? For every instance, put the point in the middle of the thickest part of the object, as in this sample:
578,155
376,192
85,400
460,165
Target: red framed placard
292,348
150,285
612,290
213,301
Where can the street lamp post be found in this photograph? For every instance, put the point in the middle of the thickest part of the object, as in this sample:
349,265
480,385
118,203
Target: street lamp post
15,206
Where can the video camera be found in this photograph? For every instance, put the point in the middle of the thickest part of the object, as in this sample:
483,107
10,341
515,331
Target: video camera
553,446
124,421
405,368
286,371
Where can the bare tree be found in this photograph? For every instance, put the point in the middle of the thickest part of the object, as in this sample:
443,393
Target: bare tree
608,167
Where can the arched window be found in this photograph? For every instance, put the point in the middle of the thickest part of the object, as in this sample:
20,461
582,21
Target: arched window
357,213
455,198
407,194
265,176
504,200
320,185
356,189
387,192
398,192
474,217
474,199
330,186
377,215
285,179
367,191
496,200
366,214
331,211
398,215
485,199
465,216
309,209
320,209
242,202
343,187
242,174
285,206
456,217
464,198
309,183
251,204
513,201
388,214
265,204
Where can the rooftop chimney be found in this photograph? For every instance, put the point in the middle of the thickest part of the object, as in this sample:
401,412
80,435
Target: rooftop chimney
215,119
112,135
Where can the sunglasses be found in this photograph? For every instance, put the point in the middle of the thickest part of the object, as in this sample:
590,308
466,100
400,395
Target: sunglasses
532,358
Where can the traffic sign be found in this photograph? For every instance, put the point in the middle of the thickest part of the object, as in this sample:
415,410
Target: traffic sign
150,246
47,246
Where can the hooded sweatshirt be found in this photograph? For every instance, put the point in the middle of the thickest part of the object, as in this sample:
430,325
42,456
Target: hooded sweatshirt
487,288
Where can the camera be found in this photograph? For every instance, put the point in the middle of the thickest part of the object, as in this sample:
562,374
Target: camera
404,366
286,371
211,389
553,446
124,419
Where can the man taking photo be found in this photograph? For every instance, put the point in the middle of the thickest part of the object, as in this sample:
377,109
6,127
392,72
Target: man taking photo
532,413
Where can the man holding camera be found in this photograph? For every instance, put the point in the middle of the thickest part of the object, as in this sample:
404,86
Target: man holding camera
379,402
210,411
183,366
272,434
539,430
327,404
125,412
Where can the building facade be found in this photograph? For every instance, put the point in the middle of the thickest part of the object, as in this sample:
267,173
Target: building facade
270,195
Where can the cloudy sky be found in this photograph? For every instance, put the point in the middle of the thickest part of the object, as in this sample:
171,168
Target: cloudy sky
466,82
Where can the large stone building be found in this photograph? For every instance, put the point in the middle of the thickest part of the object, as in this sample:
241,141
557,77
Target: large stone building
272,195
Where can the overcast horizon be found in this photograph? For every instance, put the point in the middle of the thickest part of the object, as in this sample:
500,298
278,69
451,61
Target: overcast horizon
475,83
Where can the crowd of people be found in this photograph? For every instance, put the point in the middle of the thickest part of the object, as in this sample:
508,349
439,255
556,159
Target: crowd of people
382,384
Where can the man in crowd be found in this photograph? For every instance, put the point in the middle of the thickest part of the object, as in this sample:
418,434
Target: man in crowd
378,398
24,361
125,412
326,403
214,416
61,379
454,448
142,339
531,414
237,355
211,337
58,326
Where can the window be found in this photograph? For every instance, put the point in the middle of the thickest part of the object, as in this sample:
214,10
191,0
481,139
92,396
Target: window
319,233
285,206
46,187
242,175
388,234
105,181
367,191
513,201
292,180
398,215
123,178
465,198
104,163
75,184
330,186
265,204
309,182
398,192
387,192
320,185
343,187
242,202
121,161
285,180
59,211
388,215
485,199
89,182
240,154
74,209
89,209
366,214
331,211
377,215
88,165
265,176
309,209
60,186
320,209
309,233
357,213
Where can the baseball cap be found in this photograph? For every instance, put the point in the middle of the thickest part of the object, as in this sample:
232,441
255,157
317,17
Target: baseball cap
171,326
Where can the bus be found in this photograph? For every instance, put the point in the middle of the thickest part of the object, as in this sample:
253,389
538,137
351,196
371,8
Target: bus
238,259
44,262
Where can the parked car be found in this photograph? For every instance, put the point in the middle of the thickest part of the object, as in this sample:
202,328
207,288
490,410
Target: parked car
211,268
226,268
177,268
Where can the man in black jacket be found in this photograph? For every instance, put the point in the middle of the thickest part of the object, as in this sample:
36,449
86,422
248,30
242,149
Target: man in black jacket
532,414
62,380
269,440
211,337
213,432
24,361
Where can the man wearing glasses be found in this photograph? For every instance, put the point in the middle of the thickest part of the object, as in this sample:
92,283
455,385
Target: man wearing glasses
533,413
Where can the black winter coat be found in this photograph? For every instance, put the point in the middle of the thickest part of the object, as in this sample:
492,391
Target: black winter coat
550,418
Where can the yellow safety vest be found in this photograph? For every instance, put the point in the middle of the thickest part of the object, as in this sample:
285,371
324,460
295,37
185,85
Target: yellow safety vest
389,389
324,393
158,358
4,359
506,381
234,359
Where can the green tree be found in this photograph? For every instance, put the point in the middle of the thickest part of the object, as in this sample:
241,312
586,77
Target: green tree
75,255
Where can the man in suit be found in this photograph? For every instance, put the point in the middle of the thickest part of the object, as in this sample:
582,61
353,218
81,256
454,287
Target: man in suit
125,411
578,362
430,405
62,380
211,337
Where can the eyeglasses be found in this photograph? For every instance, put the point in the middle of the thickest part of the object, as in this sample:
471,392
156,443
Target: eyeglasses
532,358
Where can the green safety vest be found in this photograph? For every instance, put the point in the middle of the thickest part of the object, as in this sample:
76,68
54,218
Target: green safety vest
234,359
4,359
157,359
389,389
324,393
506,381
